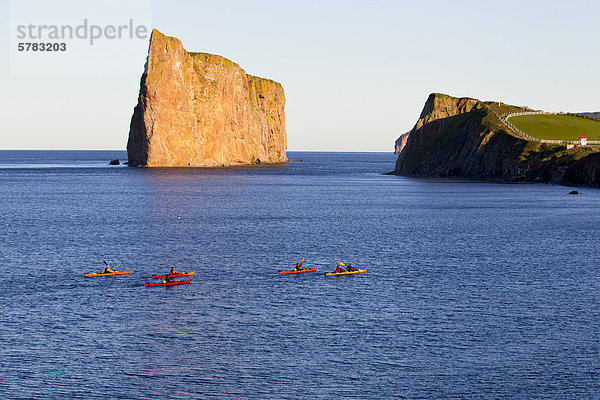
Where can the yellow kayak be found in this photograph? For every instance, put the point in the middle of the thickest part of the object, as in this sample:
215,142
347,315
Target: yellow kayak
358,271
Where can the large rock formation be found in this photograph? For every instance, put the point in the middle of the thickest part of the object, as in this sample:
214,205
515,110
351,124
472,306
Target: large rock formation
453,137
463,137
198,109
400,143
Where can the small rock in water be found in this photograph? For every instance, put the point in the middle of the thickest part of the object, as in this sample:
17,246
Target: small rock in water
114,162
573,192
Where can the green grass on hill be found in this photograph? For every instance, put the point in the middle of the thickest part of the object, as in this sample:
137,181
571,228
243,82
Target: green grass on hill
557,127
492,119
501,109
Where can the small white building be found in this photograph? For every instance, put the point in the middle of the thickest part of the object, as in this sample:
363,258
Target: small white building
582,140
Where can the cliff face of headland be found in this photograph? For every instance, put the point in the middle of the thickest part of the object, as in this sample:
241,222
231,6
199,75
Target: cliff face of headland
463,137
198,109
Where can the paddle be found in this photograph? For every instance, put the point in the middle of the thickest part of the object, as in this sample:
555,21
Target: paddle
298,268
353,269
105,263
113,271
342,264
339,264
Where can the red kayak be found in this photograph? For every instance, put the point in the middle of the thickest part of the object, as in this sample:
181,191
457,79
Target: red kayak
300,271
168,283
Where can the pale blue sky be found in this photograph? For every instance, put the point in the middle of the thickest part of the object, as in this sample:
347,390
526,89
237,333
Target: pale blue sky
356,74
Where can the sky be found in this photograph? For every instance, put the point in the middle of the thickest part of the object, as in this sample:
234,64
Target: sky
356,74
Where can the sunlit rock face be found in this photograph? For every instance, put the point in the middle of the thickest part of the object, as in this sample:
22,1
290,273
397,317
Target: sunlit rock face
203,110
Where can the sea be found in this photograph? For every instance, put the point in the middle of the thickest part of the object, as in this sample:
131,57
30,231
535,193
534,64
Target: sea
473,290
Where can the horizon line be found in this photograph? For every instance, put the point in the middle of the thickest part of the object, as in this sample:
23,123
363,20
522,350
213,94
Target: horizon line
297,151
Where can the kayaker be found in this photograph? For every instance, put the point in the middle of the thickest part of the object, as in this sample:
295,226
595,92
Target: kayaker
350,268
172,271
298,267
338,269
108,270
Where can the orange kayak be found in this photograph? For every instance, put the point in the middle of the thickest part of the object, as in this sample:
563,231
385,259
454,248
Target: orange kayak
299,271
114,273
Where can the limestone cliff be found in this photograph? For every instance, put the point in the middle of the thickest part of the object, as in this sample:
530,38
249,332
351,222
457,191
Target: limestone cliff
463,137
400,143
198,109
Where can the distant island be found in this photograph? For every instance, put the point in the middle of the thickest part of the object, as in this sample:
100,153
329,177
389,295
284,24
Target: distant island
469,138
591,114
203,110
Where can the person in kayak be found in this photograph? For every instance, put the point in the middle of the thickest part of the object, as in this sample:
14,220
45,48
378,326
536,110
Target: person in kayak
108,270
172,271
350,268
298,267
338,269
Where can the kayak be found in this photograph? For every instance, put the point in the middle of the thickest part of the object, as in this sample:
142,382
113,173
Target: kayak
110,273
178,275
299,271
358,271
168,283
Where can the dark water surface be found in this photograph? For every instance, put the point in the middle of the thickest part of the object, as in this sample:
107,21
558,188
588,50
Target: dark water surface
473,290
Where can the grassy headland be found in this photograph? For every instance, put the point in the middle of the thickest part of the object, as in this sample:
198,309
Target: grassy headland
464,137
557,127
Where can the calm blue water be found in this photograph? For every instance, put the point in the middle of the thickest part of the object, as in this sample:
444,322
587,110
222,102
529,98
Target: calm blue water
473,290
